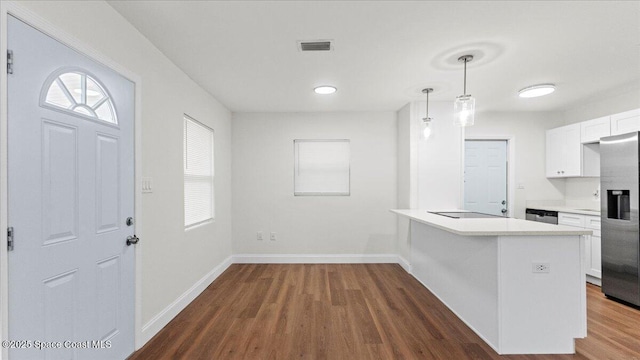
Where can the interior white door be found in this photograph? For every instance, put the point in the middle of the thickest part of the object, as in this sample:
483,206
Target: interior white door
485,176
71,188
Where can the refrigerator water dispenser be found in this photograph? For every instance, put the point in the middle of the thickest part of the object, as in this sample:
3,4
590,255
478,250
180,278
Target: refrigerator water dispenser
618,205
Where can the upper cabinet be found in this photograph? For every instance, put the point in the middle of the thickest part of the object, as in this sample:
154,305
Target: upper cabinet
564,152
625,122
574,151
591,131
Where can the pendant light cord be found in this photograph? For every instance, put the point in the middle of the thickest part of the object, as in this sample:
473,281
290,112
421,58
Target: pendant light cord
465,78
427,106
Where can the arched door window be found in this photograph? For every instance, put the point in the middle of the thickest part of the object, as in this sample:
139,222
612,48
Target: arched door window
77,92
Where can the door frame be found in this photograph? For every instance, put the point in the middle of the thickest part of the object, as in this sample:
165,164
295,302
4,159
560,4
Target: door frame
511,172
13,8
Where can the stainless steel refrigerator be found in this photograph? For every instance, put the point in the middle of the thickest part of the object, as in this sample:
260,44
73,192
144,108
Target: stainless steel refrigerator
619,177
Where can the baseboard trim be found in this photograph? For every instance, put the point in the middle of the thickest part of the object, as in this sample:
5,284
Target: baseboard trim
406,265
151,328
594,280
315,259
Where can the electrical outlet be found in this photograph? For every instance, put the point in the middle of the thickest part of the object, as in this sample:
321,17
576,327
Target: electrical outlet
541,267
259,236
272,236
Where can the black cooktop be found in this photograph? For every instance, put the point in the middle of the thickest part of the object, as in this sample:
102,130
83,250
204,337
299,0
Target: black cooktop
465,215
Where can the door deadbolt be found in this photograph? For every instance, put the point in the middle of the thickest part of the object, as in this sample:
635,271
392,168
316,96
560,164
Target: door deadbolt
132,240
129,221
504,202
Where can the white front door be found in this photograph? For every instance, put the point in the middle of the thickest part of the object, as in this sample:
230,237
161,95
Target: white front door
70,178
485,176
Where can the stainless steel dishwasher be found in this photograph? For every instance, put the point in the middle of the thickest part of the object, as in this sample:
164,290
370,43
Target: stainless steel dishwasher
545,216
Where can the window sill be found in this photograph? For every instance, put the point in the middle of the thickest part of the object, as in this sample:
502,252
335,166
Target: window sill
199,224
321,194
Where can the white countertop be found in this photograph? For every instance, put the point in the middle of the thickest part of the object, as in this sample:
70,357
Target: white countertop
566,209
491,226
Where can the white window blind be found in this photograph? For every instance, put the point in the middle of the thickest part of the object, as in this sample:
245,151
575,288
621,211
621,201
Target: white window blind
198,173
321,167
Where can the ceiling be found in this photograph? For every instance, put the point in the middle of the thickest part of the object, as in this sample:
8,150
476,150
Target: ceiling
245,52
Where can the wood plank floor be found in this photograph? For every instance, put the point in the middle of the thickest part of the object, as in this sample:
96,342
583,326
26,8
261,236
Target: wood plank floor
345,311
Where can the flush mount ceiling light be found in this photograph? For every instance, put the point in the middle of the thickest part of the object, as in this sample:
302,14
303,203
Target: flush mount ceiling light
426,131
464,105
325,90
537,90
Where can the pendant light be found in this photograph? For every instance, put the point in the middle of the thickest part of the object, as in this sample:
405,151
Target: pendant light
426,130
464,106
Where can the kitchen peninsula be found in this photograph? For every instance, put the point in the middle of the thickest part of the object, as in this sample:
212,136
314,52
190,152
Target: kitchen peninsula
516,283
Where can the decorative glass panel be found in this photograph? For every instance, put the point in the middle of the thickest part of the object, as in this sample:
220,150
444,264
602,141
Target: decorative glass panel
83,111
105,111
57,97
73,83
80,93
94,93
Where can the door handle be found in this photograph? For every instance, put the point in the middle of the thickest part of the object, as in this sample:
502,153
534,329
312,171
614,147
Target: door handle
504,211
132,240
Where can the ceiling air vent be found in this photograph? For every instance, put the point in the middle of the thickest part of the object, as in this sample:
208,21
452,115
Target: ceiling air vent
318,45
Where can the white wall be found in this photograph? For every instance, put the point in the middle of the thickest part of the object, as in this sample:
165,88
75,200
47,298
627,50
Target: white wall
429,170
608,103
528,131
263,185
173,260
404,157
439,157
406,176
581,193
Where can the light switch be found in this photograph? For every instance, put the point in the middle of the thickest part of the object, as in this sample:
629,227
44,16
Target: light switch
147,185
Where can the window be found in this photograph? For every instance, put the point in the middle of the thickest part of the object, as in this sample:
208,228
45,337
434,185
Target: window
79,93
321,167
198,173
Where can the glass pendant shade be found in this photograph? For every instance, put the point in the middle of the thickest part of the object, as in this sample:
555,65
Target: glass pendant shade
426,129
464,110
426,121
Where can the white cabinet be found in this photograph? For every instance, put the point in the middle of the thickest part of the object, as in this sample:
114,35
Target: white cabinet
594,259
592,222
564,152
593,250
595,269
575,220
625,122
573,150
592,130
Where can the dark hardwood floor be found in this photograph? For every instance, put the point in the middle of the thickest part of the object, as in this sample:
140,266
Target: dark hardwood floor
336,311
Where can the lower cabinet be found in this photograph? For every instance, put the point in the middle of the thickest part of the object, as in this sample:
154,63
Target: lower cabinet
593,249
596,255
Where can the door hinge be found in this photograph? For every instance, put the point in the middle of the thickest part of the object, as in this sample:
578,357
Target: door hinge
10,238
9,61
